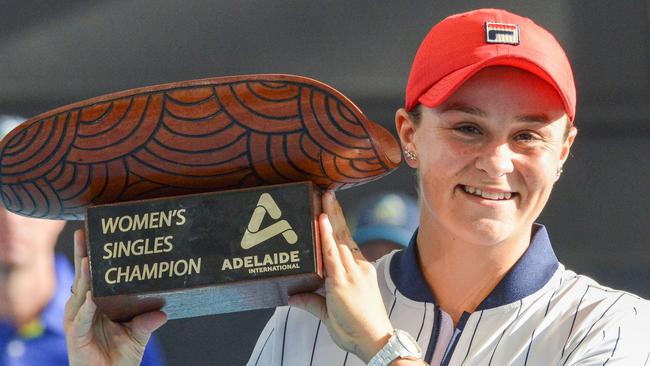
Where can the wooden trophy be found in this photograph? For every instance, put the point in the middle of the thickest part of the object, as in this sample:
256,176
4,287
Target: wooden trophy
199,197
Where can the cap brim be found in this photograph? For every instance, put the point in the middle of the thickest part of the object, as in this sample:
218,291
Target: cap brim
399,236
444,88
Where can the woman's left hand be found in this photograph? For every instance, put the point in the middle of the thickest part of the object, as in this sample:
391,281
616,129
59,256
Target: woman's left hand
352,309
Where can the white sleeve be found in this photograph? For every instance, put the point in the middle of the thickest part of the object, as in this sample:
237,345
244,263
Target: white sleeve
620,343
262,354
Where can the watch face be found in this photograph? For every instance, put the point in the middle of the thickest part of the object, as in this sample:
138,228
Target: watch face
407,341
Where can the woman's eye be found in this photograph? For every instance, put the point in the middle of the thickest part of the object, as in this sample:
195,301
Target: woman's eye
526,137
468,129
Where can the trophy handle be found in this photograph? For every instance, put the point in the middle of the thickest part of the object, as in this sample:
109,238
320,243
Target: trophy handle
190,137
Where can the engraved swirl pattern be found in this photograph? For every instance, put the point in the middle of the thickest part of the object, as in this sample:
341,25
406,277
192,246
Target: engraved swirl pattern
174,139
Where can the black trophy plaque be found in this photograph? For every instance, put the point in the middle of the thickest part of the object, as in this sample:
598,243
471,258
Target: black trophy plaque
205,253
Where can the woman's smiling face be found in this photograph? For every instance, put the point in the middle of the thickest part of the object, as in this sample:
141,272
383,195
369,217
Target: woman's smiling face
489,155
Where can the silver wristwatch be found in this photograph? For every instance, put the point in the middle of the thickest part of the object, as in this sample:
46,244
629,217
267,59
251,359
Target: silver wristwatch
400,345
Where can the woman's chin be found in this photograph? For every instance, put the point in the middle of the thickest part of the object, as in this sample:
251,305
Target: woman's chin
489,232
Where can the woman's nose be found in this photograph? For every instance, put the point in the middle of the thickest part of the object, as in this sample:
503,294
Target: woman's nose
496,160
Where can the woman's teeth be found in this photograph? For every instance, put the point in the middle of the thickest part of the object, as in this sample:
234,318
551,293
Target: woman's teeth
487,195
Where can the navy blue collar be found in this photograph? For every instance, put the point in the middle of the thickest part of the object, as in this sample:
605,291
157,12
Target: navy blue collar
531,272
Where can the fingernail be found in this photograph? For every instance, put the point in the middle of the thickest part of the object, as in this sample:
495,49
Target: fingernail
333,195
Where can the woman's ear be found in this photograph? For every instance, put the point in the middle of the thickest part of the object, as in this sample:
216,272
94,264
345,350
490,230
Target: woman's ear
566,145
406,129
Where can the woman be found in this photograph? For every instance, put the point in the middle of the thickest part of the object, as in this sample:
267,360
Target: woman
488,124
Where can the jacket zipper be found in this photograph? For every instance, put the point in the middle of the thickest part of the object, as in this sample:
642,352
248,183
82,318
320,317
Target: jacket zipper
454,339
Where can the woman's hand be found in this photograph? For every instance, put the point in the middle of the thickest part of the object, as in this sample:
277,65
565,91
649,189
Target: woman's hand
353,309
91,337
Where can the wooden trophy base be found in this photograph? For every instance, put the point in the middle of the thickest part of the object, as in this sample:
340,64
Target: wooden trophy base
205,253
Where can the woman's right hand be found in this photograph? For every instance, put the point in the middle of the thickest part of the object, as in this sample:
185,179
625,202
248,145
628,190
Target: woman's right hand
91,337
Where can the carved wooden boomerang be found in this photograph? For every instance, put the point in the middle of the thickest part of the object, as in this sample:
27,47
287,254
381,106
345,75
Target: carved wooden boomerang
189,137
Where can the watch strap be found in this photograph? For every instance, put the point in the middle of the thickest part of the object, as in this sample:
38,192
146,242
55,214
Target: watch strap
394,349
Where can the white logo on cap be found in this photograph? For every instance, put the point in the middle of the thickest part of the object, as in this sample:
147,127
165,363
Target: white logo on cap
501,33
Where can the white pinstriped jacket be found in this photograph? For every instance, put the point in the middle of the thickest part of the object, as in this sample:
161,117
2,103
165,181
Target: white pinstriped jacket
539,314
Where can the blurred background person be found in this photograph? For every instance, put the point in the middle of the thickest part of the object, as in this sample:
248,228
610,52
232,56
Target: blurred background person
34,286
385,222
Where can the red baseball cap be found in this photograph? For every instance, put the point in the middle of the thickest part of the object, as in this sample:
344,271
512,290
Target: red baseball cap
461,45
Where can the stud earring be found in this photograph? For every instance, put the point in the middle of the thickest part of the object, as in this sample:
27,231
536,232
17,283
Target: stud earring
410,154
558,173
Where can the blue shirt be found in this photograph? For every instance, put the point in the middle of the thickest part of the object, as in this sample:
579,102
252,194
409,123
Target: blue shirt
43,341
